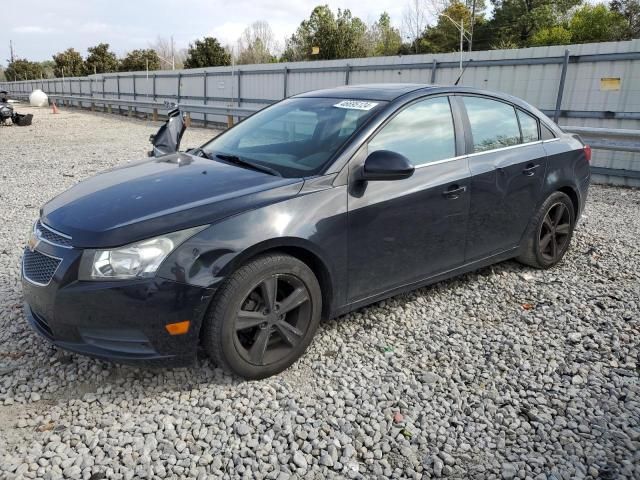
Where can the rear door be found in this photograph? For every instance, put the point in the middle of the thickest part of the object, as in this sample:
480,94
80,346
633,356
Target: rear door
507,163
402,231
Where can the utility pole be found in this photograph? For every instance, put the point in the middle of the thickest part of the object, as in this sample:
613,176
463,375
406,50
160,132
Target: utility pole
473,22
459,26
173,55
12,53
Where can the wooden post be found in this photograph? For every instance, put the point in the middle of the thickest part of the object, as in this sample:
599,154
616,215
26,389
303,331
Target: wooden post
155,115
109,108
229,121
187,120
129,112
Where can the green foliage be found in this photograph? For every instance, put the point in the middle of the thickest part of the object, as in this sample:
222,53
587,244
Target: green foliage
22,69
517,21
384,37
445,36
336,36
206,53
556,35
596,23
68,63
630,10
47,68
139,60
100,60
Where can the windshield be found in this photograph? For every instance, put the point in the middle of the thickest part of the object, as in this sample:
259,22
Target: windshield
295,137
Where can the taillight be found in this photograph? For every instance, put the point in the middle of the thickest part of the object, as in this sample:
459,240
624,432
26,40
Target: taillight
587,152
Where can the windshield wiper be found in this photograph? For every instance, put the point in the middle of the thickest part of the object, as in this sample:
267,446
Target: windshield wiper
199,152
241,161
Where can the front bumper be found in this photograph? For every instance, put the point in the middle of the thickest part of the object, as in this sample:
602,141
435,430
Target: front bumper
122,321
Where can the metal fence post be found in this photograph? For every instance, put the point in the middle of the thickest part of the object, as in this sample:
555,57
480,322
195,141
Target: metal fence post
433,71
346,74
285,81
204,93
563,76
133,77
118,85
153,83
239,97
179,87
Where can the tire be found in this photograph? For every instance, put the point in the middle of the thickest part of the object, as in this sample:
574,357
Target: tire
544,243
245,311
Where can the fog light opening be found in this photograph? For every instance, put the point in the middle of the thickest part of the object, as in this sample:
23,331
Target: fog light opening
178,328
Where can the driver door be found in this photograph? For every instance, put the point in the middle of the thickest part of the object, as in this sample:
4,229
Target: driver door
403,231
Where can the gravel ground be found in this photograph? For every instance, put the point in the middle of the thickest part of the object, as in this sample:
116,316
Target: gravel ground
503,373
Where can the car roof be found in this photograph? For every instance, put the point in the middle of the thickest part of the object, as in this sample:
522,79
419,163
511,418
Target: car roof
392,91
374,91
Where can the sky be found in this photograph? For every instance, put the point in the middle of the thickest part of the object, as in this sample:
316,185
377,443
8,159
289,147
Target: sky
42,28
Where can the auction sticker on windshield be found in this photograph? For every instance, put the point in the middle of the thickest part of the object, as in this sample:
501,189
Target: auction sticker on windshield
356,105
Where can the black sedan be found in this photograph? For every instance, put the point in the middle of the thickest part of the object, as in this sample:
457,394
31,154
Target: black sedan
313,207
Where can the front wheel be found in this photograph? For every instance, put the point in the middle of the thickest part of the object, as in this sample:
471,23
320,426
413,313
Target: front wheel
549,234
263,317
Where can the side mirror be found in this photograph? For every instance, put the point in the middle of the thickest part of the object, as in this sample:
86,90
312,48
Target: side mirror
386,165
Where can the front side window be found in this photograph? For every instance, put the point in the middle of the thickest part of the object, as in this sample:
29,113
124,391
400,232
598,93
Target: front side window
422,132
493,123
529,127
296,137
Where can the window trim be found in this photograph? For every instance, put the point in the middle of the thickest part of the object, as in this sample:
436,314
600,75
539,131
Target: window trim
456,121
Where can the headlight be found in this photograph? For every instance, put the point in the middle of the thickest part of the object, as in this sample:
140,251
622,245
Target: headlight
137,260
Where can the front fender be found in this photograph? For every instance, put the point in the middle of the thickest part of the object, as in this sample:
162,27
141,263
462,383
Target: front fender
315,222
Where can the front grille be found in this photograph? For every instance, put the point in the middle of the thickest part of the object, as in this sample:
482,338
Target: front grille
51,236
37,267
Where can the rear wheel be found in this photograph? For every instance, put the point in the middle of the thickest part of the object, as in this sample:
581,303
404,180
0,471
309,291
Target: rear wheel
263,317
549,234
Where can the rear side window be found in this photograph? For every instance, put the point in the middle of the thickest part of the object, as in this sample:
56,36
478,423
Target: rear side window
547,134
422,132
493,124
528,126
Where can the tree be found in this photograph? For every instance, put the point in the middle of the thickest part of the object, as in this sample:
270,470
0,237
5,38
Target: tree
140,60
100,60
47,68
68,64
516,21
22,69
257,44
333,36
3,78
630,10
596,23
555,35
168,54
385,38
206,53
414,22
445,35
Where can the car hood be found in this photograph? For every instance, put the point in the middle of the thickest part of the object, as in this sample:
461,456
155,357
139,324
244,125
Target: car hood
159,195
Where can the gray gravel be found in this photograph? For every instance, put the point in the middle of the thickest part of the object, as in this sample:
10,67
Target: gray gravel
503,373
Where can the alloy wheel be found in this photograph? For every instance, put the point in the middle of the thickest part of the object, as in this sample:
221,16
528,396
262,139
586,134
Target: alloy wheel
273,319
554,232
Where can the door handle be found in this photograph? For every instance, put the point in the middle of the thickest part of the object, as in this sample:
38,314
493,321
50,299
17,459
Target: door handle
530,170
454,191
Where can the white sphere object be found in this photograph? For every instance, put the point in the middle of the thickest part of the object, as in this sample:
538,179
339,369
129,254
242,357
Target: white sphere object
38,99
